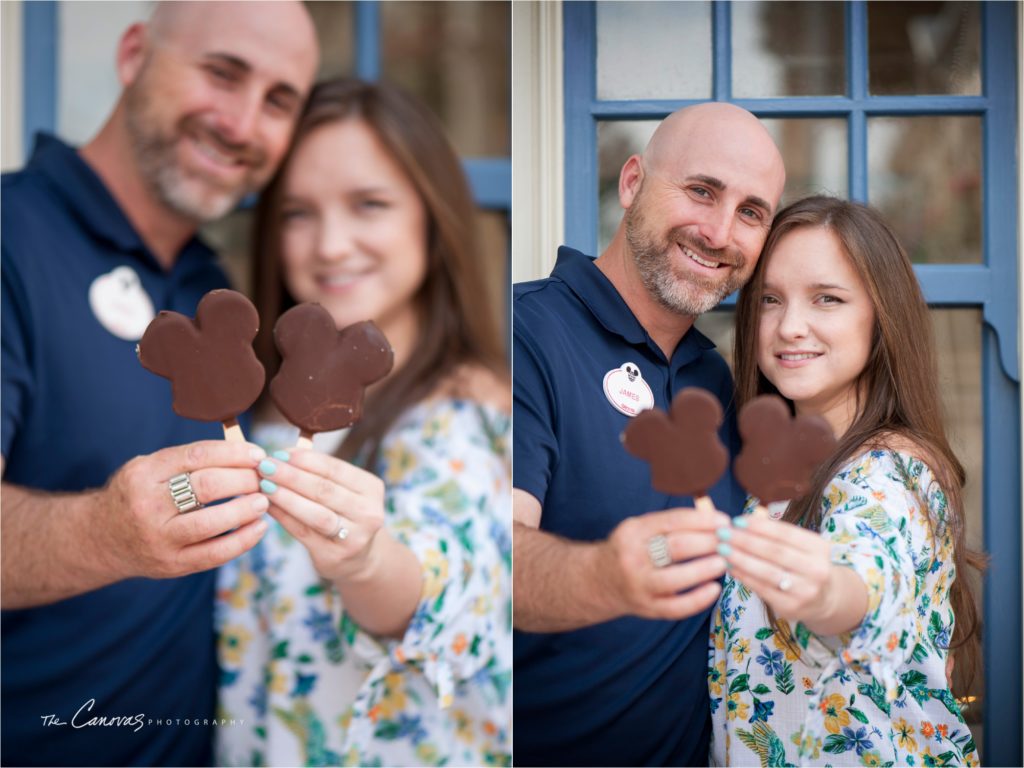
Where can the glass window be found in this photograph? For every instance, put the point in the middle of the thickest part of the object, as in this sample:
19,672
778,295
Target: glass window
652,50
335,25
924,174
815,154
456,57
788,49
616,141
924,47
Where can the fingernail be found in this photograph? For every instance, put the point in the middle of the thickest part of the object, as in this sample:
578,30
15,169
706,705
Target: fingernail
260,527
260,503
281,455
723,549
741,521
267,467
724,533
267,487
256,453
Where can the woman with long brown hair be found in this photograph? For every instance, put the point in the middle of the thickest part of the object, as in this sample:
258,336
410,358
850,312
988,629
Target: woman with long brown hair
371,626
833,636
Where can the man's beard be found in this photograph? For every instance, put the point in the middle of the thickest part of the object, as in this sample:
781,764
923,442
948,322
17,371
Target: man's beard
683,294
191,195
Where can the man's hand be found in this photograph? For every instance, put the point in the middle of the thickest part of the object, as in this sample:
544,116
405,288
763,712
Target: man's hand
562,585
58,545
640,588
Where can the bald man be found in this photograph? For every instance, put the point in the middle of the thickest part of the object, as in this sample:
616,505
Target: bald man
108,647
614,580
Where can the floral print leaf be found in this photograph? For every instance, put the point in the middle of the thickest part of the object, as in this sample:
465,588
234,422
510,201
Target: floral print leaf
784,679
739,683
858,714
761,689
876,693
764,633
837,744
280,650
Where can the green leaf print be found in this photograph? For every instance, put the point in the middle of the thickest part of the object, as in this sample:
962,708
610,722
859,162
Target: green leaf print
913,678
349,629
315,589
784,680
762,689
876,693
947,758
740,683
451,497
761,739
835,744
802,634
280,650
919,654
387,730
857,714
764,633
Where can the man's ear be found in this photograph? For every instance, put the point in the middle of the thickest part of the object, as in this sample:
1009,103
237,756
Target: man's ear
630,178
131,53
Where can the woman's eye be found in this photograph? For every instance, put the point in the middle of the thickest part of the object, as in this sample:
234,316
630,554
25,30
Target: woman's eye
827,299
769,300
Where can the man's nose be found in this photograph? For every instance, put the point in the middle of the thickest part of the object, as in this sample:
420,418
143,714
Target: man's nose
238,119
715,229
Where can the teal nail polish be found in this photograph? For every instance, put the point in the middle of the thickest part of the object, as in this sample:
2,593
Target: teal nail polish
267,467
267,487
282,455
724,533
741,522
723,549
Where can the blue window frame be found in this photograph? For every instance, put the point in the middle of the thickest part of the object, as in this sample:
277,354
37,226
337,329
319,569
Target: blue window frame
990,286
490,178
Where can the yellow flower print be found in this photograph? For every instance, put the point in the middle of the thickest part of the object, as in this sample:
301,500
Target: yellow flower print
282,608
806,744
904,735
836,716
427,754
871,758
234,639
463,726
740,649
874,580
238,596
716,677
784,641
736,708
400,461
836,497
394,699
718,635
277,682
435,573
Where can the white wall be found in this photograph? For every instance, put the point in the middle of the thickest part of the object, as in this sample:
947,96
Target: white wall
10,85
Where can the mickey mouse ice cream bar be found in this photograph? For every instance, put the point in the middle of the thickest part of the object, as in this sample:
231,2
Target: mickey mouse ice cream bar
210,362
324,371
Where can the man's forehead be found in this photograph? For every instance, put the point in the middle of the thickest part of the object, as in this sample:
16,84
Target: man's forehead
276,38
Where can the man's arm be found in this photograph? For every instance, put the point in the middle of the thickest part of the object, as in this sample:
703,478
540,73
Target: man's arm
561,585
57,545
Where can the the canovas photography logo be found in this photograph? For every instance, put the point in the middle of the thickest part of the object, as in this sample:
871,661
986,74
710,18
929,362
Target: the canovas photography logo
89,716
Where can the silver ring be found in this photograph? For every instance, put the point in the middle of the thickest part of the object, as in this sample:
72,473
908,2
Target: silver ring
785,583
342,532
657,549
182,495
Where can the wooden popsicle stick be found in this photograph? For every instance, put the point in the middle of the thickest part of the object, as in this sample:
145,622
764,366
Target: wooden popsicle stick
761,511
704,504
233,431
305,440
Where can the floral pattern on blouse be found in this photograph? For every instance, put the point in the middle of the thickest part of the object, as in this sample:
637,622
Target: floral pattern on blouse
306,686
877,695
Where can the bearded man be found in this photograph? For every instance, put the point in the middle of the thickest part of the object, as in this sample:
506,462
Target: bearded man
614,580
108,645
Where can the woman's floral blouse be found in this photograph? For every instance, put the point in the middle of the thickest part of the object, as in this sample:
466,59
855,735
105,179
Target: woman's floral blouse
878,695
306,686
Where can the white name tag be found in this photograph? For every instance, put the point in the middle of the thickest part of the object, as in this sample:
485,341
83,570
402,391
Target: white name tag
627,391
121,304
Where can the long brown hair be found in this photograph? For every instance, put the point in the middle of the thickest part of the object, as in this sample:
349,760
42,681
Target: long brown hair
898,395
456,325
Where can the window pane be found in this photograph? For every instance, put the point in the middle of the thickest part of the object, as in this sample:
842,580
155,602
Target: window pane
788,49
651,50
814,151
616,141
924,174
454,56
335,33
924,47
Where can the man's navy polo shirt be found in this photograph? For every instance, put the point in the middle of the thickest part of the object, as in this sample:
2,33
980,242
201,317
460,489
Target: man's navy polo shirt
631,691
76,406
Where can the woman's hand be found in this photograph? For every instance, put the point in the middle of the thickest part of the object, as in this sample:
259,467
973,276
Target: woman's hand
333,508
790,568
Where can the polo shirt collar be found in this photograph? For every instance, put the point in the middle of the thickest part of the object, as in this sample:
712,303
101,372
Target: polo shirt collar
89,200
596,291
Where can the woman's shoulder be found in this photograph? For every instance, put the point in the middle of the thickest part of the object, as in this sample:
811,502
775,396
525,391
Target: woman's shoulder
477,383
